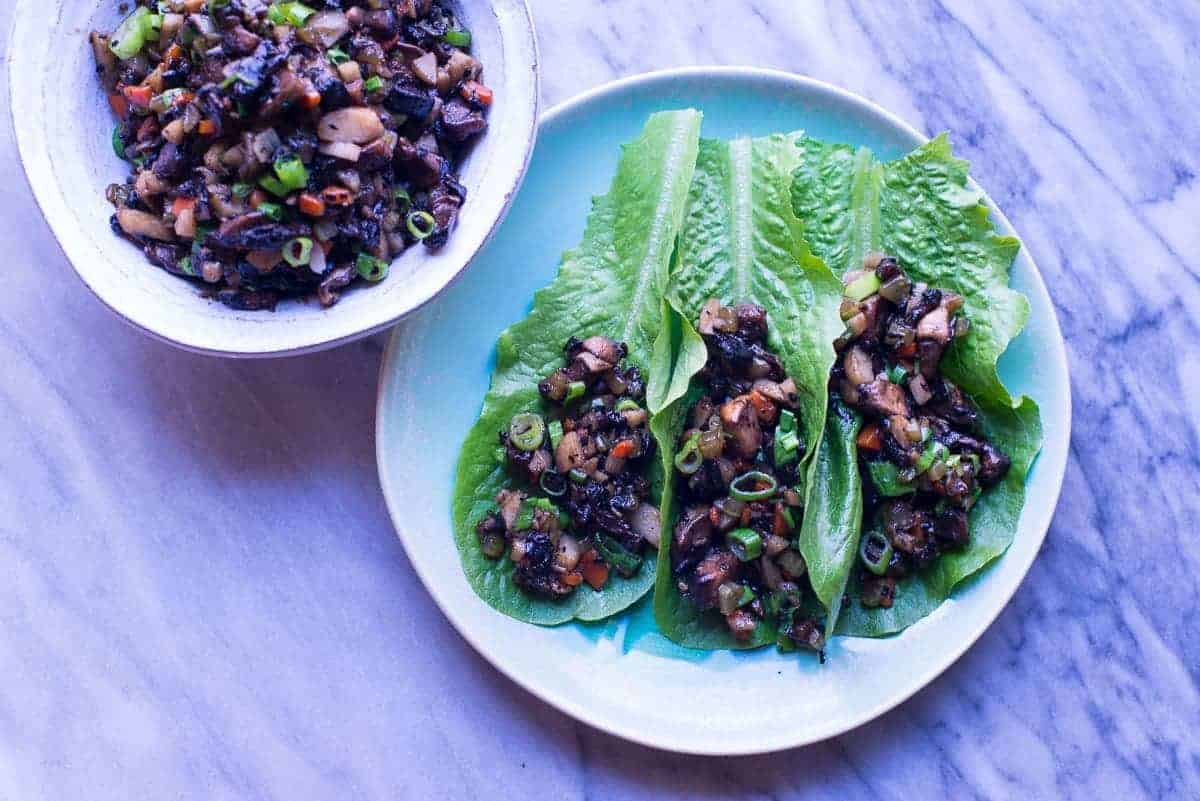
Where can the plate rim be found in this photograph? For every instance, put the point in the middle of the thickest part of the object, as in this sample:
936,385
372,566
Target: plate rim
579,711
32,169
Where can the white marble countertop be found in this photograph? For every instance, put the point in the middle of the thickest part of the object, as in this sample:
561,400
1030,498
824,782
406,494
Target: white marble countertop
201,596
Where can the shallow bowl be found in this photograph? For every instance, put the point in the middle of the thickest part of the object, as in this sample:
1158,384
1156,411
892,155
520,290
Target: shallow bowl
63,128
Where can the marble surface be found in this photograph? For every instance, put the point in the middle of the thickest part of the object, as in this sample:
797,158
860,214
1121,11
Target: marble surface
200,593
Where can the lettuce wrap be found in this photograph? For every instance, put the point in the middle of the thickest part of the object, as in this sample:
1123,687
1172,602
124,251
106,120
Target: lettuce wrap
611,285
741,242
922,210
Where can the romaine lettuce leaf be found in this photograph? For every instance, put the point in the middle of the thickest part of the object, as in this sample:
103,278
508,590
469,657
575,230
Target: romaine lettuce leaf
612,284
741,242
921,209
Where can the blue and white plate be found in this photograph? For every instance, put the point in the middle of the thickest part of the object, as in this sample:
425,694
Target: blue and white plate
622,676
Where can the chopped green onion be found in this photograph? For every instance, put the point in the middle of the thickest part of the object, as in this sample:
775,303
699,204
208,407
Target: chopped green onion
231,80
896,374
863,287
932,453
528,507
743,487
787,439
118,143
553,483
615,554
875,551
298,252
527,431
213,5
272,210
294,14
748,595
577,475
291,172
370,268
134,31
185,264
556,433
273,185
421,224
242,190
574,390
457,37
337,56
401,198
788,518
373,84
161,103
746,543
689,459
627,405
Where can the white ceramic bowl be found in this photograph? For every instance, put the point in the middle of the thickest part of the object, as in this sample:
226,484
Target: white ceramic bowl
63,127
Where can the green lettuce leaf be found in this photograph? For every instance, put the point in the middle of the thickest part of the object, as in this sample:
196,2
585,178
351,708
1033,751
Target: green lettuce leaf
922,210
741,242
612,284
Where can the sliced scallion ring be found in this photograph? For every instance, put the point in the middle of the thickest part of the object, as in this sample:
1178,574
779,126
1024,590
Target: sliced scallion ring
527,431
746,543
574,390
627,405
421,224
577,475
298,252
689,459
746,487
875,551
553,483
369,267
401,198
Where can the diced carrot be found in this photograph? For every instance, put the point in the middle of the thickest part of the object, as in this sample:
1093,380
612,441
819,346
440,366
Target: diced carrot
257,198
193,6
138,95
206,128
908,351
119,104
310,99
573,579
174,52
624,449
870,438
596,574
337,196
475,92
762,406
182,203
311,205
779,526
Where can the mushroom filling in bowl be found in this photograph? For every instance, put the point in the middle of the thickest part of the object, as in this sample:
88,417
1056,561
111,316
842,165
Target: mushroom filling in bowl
281,149
739,486
924,459
579,505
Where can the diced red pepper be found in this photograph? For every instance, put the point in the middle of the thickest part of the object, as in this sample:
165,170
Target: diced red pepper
870,438
138,96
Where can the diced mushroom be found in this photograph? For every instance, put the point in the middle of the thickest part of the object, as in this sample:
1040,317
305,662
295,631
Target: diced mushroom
357,124
141,223
713,571
883,398
509,502
740,419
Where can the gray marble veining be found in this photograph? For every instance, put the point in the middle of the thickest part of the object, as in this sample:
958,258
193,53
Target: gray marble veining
200,595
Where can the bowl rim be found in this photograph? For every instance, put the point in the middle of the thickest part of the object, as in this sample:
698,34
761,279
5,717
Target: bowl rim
951,655
27,141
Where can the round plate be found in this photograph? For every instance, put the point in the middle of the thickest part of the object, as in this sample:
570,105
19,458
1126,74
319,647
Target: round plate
622,676
64,133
